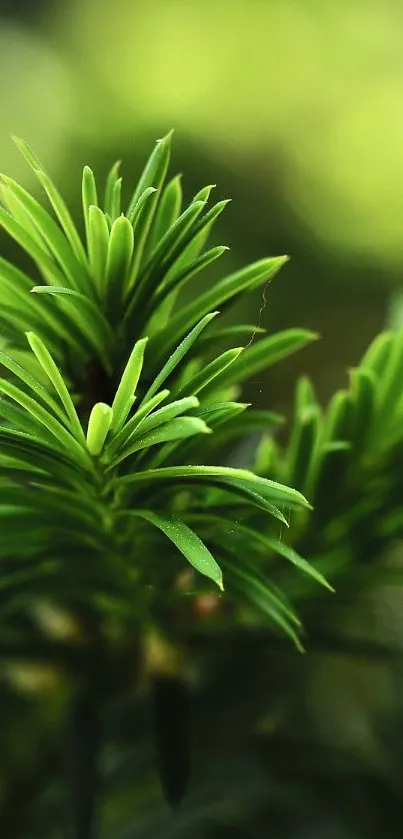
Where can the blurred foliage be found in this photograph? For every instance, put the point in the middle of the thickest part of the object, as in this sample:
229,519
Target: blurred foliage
308,89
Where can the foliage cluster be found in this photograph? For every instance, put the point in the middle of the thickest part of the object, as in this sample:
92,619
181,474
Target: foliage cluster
120,409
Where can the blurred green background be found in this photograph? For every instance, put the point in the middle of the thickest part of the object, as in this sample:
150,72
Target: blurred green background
294,108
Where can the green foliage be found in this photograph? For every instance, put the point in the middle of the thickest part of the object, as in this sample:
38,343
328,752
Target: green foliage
120,508
347,460
89,457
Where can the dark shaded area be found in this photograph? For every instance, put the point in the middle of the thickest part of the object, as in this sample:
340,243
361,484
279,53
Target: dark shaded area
82,748
30,12
171,710
266,760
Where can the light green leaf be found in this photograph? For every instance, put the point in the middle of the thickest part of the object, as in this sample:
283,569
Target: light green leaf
110,188
64,217
89,194
378,352
16,209
98,243
45,418
154,171
168,412
99,424
270,491
140,218
168,210
45,359
173,259
155,268
120,253
153,177
51,237
116,199
30,245
55,198
14,276
26,359
204,193
178,429
221,412
30,156
120,439
196,239
32,382
124,397
242,478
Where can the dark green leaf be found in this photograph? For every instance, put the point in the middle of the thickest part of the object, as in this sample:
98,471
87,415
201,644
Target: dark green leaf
187,542
211,372
178,354
88,318
252,586
265,352
228,289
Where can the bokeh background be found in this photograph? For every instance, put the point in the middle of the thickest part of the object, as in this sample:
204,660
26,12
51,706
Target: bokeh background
294,108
